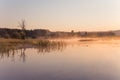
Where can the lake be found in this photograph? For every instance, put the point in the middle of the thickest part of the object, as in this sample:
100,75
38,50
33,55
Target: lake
75,61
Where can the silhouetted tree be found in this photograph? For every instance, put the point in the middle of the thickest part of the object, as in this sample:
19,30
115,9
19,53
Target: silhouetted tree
22,25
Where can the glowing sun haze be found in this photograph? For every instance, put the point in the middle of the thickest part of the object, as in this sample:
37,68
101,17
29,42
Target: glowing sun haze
61,14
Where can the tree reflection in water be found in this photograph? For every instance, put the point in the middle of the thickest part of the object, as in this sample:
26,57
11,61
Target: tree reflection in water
12,50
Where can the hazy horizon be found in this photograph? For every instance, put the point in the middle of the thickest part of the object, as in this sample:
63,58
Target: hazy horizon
83,41
61,15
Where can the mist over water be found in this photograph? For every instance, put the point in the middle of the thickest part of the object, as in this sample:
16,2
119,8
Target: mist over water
78,59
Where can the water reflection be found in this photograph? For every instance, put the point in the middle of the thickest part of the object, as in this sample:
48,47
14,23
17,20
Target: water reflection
79,61
22,55
12,50
49,48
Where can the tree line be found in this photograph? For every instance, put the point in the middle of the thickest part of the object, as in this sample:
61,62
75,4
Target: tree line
22,33
43,33
19,34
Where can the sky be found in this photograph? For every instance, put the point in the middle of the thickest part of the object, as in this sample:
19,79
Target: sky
61,15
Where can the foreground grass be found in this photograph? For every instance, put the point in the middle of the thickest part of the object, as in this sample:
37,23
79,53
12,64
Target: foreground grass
7,45
27,41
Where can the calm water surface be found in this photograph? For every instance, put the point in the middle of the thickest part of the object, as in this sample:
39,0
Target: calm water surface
76,61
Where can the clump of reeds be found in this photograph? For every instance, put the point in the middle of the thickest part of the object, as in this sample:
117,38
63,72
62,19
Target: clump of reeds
47,45
85,40
10,44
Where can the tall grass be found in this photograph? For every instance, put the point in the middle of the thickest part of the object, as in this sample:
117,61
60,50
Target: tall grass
11,44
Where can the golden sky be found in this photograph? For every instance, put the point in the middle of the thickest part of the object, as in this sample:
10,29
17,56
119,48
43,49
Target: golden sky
61,14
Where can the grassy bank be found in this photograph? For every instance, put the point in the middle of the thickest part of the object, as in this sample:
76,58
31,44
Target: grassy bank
7,45
27,41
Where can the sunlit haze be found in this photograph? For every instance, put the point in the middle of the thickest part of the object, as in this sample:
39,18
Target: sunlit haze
61,15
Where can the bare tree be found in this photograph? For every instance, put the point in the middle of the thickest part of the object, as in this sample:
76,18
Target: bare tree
22,25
